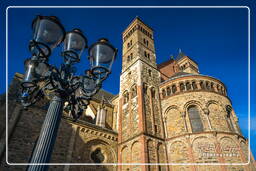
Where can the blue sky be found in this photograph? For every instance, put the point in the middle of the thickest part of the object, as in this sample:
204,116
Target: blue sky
217,39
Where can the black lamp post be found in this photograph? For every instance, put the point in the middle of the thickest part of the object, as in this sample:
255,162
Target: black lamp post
40,77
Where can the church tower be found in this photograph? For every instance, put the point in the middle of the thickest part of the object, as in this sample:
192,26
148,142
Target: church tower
141,132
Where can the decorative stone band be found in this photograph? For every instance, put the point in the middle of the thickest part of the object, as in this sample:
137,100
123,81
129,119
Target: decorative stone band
191,83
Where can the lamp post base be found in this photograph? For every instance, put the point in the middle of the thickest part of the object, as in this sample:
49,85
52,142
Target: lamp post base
47,137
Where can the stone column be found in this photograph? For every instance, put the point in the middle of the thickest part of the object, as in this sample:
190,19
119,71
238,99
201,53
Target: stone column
178,88
71,146
183,115
198,85
165,127
207,112
152,111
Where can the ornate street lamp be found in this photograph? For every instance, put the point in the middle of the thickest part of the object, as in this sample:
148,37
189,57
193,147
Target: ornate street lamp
63,84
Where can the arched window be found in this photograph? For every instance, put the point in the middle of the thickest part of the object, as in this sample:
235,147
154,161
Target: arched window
131,56
97,156
153,93
218,88
145,53
126,97
194,86
202,85
169,91
145,88
182,87
208,85
212,88
230,124
134,91
128,58
195,120
188,86
174,89
149,72
222,91
163,93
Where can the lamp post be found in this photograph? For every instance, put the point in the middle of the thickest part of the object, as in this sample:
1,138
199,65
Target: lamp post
64,86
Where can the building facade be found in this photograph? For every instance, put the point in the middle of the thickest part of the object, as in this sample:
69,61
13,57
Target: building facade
164,113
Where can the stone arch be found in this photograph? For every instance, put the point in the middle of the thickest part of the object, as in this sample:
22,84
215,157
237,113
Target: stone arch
204,150
133,90
174,122
244,148
125,96
217,117
171,107
153,92
193,102
230,150
178,152
169,91
182,87
151,154
85,154
163,93
194,85
136,154
174,89
125,157
188,85
161,156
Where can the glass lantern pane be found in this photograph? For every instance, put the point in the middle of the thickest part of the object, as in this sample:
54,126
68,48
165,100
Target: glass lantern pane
102,53
29,75
41,69
47,32
75,43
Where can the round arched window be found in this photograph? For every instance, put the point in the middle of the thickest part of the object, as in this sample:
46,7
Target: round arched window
97,156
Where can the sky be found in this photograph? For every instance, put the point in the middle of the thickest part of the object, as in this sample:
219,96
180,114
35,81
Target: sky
216,38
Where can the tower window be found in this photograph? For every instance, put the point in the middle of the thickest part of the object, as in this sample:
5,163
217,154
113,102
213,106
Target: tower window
149,72
128,58
145,53
126,97
153,93
131,43
131,56
134,91
128,45
156,128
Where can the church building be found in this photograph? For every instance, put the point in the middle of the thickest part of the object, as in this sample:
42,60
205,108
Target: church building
164,113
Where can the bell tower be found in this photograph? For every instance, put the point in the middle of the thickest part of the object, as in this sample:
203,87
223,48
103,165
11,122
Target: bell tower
140,119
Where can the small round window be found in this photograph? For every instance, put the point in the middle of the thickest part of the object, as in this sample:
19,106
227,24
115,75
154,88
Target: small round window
97,156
